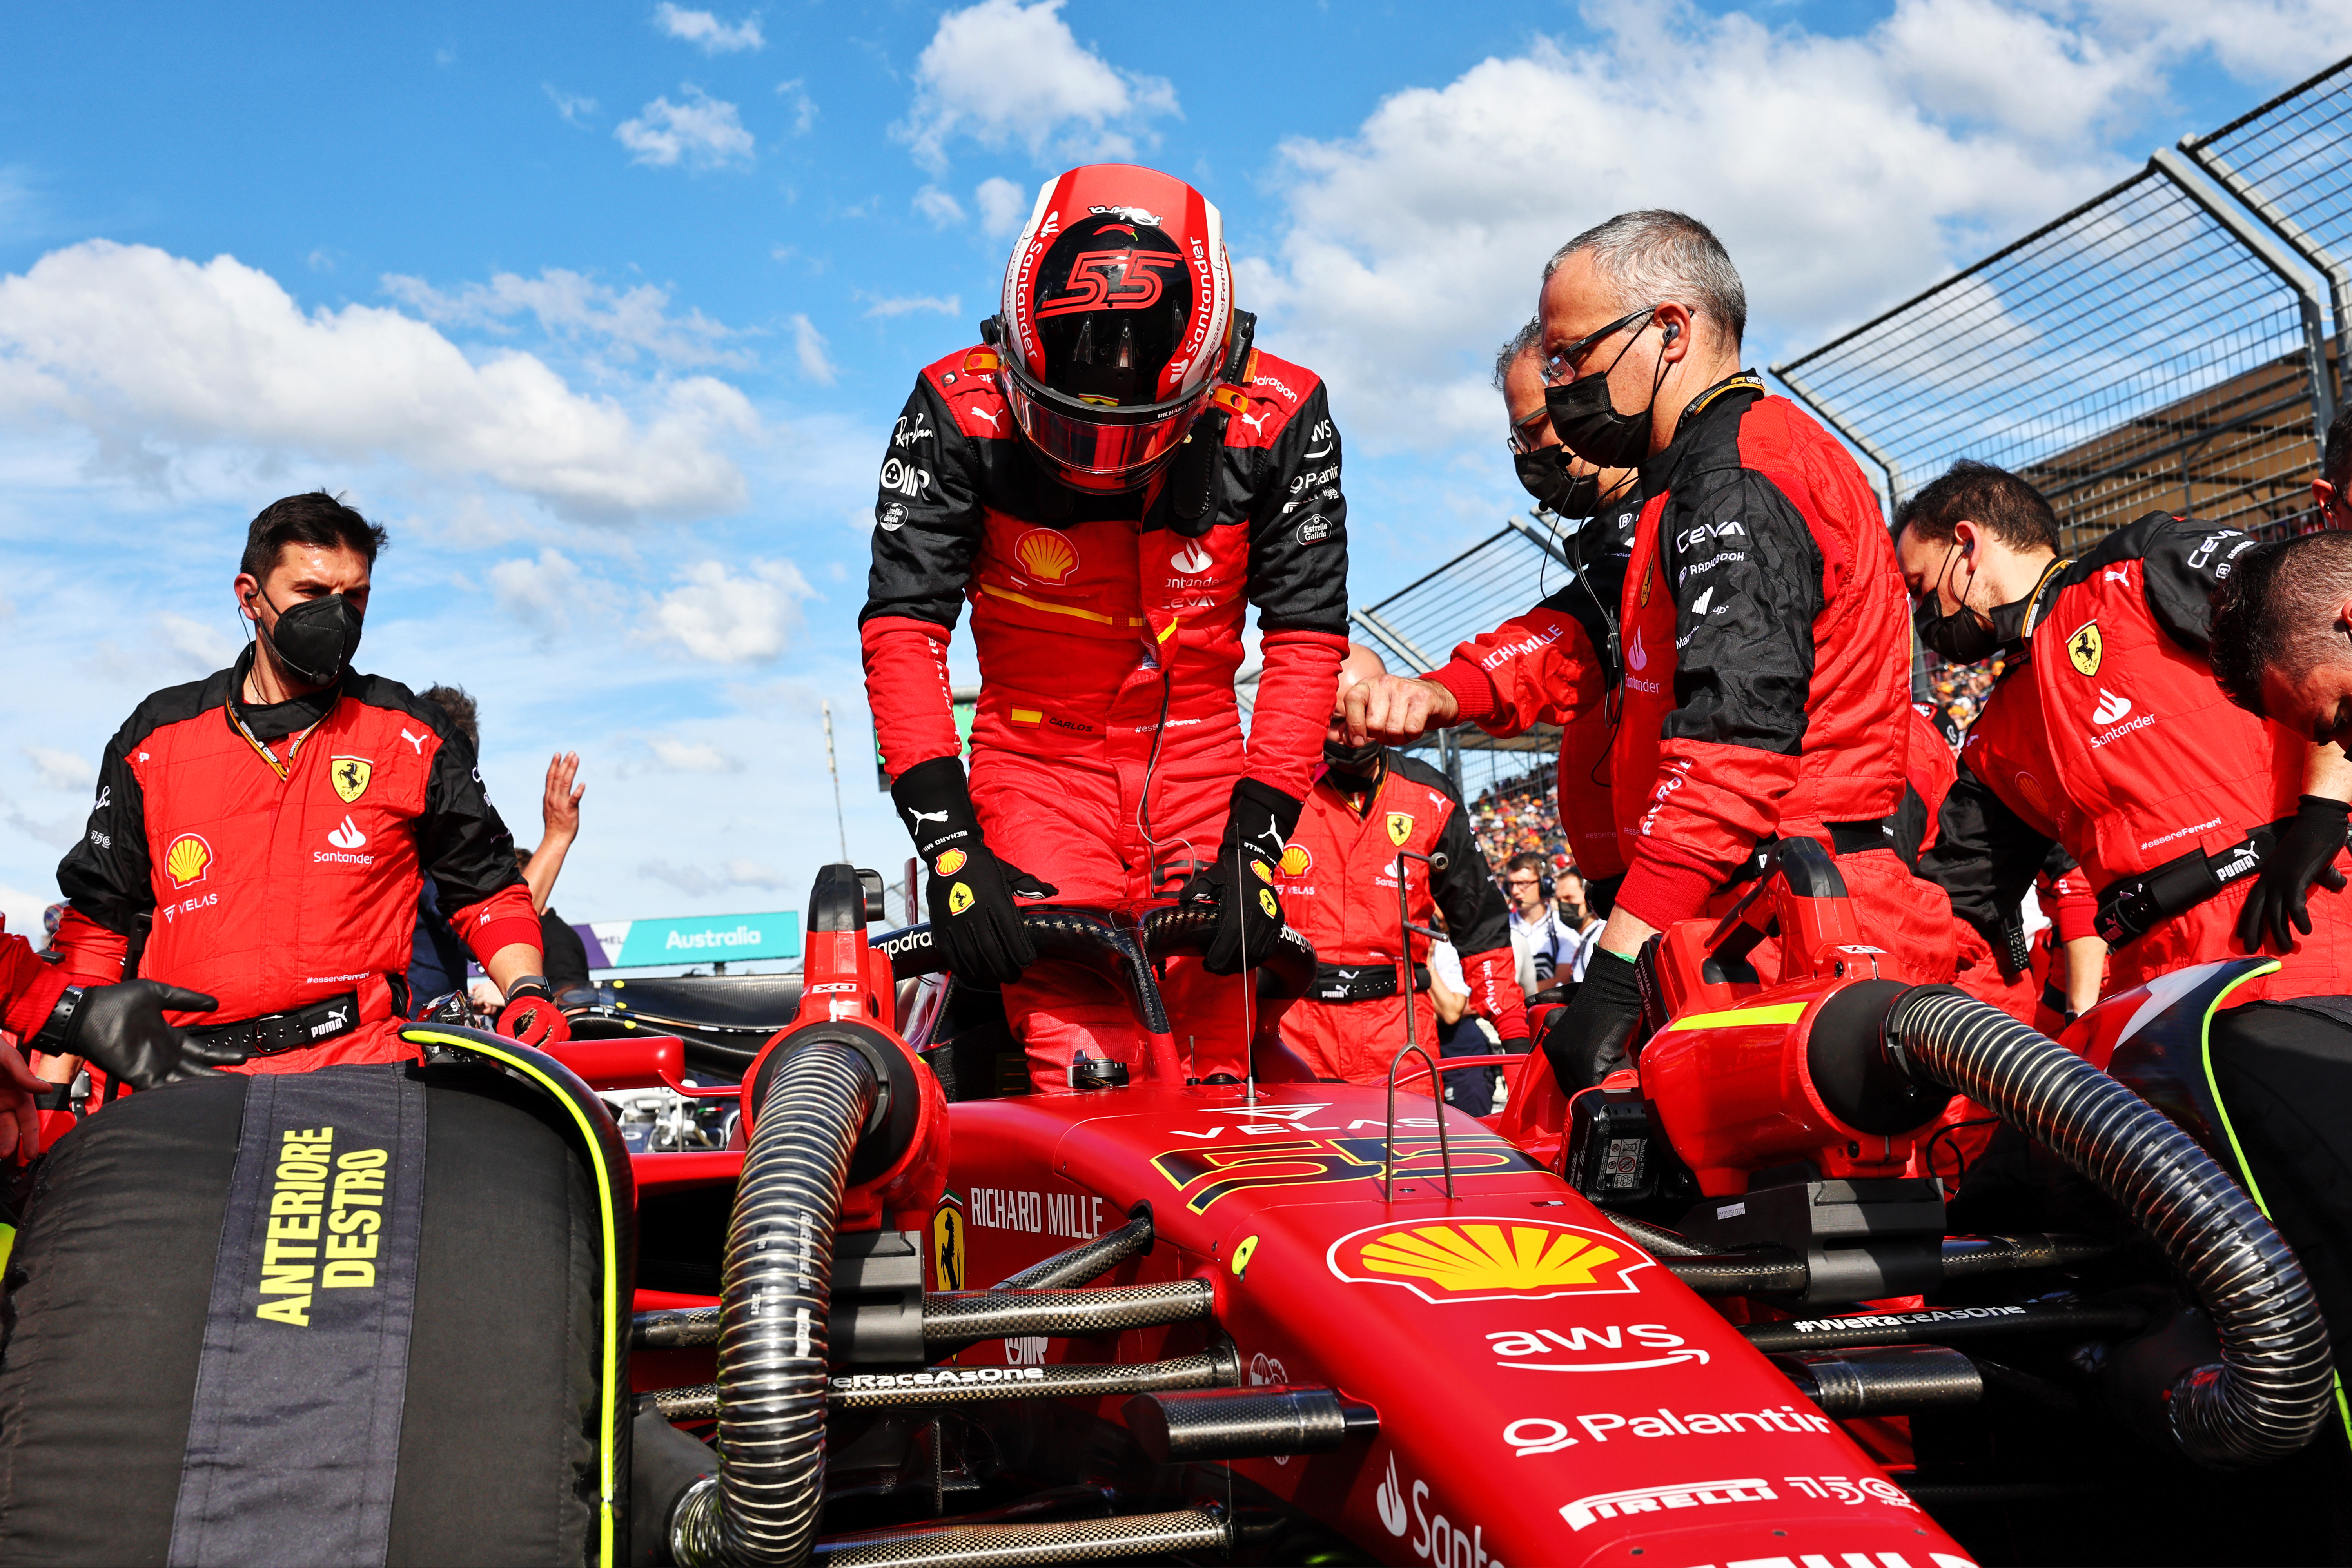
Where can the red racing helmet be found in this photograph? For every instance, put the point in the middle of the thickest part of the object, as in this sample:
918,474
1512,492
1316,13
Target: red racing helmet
1117,316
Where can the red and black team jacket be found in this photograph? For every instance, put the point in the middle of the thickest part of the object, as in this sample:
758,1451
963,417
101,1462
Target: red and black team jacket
1101,630
29,988
1767,653
2108,734
278,851
1550,666
1338,883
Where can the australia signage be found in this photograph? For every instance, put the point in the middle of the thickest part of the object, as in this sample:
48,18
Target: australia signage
697,940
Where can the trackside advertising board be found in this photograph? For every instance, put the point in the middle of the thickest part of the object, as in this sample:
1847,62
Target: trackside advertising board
702,939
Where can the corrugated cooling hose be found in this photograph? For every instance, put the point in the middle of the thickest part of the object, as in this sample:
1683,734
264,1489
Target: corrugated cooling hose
2273,1386
778,1291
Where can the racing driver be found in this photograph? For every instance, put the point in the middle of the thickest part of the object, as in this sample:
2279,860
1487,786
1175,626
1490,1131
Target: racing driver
1766,647
259,835
1111,477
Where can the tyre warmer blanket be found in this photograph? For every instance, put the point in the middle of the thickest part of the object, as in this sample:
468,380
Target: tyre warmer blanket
294,1443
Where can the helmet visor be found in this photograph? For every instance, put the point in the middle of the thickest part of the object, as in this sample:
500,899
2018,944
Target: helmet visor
1099,441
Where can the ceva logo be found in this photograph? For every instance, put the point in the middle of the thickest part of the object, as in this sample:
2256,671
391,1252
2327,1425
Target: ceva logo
2111,707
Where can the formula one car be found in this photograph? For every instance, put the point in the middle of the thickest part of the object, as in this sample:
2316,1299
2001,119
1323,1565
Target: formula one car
1712,1312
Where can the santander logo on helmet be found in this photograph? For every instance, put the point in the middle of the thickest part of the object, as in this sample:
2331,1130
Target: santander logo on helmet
1117,316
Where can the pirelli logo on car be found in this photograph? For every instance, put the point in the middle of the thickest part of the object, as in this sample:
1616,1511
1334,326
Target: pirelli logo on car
325,1211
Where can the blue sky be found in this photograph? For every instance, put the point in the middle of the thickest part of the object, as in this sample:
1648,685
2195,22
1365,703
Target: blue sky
605,310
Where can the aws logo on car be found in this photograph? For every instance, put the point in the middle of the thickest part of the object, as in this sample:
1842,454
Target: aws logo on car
1488,1258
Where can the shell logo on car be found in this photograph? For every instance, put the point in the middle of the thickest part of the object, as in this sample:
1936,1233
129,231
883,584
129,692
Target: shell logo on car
1488,1260
1047,555
187,859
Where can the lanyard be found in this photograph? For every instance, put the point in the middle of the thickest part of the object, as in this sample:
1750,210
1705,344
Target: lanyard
285,769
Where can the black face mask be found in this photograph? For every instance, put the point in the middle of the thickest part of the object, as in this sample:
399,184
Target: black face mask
1357,761
1588,425
1971,636
1544,475
314,639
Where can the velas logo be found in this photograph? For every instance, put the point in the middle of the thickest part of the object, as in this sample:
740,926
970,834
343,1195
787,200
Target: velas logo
1488,1260
1189,559
188,859
1047,555
1296,860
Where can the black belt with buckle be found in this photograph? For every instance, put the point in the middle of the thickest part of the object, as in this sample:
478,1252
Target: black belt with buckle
273,1034
1845,838
2131,907
1361,982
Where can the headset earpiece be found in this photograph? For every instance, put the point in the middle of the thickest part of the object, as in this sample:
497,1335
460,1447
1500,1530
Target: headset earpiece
1673,332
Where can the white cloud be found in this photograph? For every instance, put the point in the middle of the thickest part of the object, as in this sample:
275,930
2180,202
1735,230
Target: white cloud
574,108
692,756
696,882
1007,74
1837,170
625,322
21,911
707,32
160,358
939,206
1001,205
808,346
538,595
728,617
199,646
803,106
902,304
704,132
61,769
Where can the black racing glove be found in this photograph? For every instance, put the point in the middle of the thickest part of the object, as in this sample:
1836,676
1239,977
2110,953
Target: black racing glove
1258,825
120,1029
975,925
2305,855
1586,1040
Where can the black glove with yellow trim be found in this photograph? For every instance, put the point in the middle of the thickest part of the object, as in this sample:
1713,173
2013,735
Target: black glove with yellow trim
1258,824
975,925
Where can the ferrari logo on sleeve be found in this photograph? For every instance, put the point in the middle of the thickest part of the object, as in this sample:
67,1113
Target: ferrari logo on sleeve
2084,647
959,898
350,777
1400,827
1265,900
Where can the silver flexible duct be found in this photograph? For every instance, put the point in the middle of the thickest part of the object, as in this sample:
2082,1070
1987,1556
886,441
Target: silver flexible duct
778,1291
2275,1384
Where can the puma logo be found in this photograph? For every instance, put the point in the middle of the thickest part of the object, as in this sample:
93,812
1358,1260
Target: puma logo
921,817
415,742
990,416
1256,422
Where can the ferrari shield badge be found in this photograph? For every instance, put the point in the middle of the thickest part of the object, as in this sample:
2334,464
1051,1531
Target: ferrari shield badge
350,777
1400,827
1475,1259
2084,647
947,1246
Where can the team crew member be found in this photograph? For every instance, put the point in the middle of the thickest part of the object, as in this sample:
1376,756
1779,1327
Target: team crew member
2200,827
1111,478
259,834
1766,652
1340,888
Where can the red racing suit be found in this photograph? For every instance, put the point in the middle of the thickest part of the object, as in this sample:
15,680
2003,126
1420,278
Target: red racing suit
1337,878
274,855
29,988
2108,735
1108,738
1767,653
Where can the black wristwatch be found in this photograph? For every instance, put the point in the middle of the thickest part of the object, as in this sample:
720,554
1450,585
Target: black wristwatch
53,1034
531,986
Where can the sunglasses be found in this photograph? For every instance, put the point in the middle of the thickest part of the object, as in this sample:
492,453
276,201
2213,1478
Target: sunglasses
1560,365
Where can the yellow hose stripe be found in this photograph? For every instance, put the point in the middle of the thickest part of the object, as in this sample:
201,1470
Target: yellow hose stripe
1042,605
2222,1108
1778,1013
606,1555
